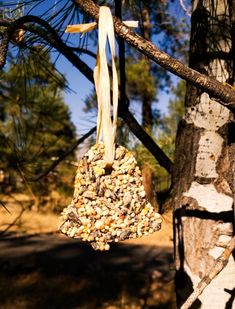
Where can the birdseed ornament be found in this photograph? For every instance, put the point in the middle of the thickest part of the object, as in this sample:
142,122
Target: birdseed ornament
109,202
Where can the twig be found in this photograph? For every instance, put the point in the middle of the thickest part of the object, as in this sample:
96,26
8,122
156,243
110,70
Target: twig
219,265
16,219
83,51
4,206
13,222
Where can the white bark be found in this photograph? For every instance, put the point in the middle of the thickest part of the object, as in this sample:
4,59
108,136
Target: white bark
208,198
209,191
214,296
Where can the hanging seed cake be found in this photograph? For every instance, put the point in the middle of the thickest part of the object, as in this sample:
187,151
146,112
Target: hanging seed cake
108,204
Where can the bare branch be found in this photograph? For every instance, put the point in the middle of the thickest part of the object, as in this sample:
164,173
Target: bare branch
219,265
225,95
4,206
17,217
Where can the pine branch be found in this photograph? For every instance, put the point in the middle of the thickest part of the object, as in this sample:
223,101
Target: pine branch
49,35
223,94
219,265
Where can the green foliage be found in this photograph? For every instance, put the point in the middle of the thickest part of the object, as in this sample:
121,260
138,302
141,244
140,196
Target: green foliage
165,138
139,80
161,178
35,124
169,123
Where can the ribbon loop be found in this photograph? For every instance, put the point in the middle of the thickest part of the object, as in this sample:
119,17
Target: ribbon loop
106,127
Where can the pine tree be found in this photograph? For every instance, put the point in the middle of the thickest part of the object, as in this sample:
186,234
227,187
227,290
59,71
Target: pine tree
35,125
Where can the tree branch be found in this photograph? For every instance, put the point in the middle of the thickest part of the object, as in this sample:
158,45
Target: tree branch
83,51
219,265
17,217
54,40
214,88
122,60
4,206
147,141
49,34
6,37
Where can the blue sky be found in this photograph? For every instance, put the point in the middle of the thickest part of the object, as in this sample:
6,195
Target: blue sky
80,86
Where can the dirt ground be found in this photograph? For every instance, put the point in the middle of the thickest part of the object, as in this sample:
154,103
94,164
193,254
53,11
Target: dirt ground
43,269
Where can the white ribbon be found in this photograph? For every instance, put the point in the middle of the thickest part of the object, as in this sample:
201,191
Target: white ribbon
106,127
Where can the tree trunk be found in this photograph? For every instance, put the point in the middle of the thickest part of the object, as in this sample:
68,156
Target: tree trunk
147,173
146,100
203,182
147,123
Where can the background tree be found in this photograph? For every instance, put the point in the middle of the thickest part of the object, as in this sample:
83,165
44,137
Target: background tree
35,124
164,132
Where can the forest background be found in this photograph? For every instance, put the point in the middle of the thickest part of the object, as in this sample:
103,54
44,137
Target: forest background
155,98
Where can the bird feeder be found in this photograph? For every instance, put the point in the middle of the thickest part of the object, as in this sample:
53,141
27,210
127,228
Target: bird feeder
109,202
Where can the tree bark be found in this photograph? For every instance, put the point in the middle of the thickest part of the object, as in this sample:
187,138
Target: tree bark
203,181
147,174
147,122
147,116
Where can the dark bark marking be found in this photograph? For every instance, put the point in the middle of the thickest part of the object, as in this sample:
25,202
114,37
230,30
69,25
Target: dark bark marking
187,141
188,211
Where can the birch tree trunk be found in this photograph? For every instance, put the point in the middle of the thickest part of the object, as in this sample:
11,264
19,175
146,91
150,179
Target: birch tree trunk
205,164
